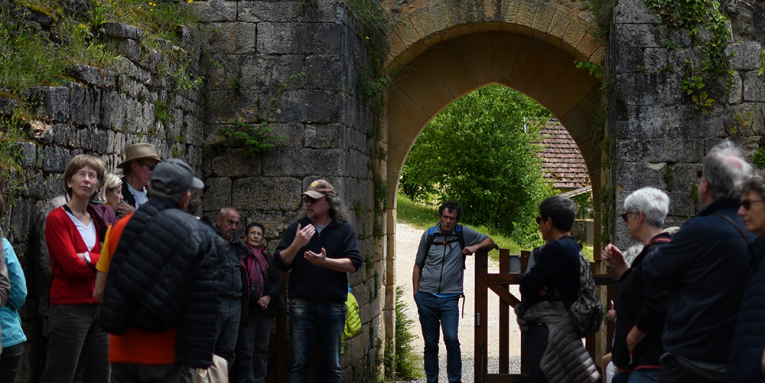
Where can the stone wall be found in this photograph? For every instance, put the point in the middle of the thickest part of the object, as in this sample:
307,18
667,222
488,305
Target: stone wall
100,112
660,136
293,65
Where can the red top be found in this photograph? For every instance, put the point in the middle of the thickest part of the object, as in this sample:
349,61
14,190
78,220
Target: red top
73,279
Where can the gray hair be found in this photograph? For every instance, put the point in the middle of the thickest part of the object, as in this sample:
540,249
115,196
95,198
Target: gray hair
632,253
725,169
111,182
754,182
653,202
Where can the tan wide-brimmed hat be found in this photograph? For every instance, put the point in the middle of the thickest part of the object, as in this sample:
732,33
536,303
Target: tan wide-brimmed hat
139,152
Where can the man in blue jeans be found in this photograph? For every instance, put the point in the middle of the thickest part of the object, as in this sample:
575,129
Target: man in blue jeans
319,249
437,284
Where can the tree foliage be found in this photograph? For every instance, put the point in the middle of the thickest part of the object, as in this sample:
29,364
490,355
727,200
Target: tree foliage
481,152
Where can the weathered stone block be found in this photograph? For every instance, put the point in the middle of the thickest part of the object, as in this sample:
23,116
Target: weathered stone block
217,193
644,88
283,11
324,136
82,102
7,105
233,37
20,218
655,59
631,176
122,31
634,12
754,87
628,59
642,121
266,193
307,106
49,102
28,155
130,49
272,220
661,150
328,73
746,55
229,107
54,159
291,38
635,35
270,72
216,10
236,163
687,121
737,92
301,162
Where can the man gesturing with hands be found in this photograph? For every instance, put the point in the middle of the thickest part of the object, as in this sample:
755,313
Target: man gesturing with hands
318,249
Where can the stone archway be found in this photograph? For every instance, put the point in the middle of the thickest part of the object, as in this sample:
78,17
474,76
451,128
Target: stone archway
443,50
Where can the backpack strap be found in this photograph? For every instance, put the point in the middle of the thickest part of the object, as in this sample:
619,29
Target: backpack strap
740,230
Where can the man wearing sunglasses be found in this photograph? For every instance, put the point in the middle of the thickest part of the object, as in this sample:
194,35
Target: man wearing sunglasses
704,268
318,250
140,160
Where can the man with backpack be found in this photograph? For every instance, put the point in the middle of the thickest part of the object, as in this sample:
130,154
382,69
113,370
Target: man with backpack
437,285
560,301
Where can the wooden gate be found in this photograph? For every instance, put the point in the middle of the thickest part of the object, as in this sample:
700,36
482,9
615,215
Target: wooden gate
499,283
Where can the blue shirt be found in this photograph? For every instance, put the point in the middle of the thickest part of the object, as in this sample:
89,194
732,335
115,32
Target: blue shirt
9,314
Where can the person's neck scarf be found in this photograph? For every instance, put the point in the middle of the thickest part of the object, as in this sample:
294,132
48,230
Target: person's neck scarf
256,268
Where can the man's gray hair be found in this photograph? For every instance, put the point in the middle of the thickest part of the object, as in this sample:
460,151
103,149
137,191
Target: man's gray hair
653,202
754,182
155,193
725,169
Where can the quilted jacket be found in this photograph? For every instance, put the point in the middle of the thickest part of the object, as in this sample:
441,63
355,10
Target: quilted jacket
165,271
565,360
745,361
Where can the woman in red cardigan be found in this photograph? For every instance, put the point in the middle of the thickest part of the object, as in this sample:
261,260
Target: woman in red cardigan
73,234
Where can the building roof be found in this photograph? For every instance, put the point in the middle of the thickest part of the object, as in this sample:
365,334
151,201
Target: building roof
563,162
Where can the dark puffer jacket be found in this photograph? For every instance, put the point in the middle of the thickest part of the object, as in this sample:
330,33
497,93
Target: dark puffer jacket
165,271
745,361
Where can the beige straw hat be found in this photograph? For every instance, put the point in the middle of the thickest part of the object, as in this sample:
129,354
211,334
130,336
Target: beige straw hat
139,152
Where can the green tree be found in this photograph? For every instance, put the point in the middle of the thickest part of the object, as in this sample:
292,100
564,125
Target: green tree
481,151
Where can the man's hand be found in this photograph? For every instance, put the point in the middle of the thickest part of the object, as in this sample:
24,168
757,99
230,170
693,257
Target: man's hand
303,236
470,250
124,209
82,257
634,337
611,314
314,258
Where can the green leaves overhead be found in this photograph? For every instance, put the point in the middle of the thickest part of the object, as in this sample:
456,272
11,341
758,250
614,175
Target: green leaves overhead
480,151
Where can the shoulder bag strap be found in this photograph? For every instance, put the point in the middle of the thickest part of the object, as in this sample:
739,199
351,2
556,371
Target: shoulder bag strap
740,230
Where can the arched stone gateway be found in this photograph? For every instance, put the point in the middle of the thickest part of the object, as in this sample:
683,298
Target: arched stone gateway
442,50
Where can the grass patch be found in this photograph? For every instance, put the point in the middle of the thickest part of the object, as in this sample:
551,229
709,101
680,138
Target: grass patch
423,216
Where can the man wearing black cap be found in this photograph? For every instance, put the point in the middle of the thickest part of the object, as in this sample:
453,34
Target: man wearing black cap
163,289
319,249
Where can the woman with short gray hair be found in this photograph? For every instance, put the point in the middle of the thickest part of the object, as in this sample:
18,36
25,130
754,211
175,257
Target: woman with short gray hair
746,362
639,312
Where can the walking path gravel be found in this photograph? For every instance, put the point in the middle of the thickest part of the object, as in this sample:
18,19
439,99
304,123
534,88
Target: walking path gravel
407,240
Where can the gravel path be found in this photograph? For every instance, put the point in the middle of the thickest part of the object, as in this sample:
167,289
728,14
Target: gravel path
407,240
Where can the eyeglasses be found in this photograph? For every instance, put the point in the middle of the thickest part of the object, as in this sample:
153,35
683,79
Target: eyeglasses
539,220
699,174
747,204
151,167
307,199
626,216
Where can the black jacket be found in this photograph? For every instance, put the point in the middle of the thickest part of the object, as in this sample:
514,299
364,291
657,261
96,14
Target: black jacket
745,362
126,194
558,269
165,272
638,306
705,270
272,285
234,275
316,283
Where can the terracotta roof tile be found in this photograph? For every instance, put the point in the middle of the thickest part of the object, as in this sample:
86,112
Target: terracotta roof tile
563,162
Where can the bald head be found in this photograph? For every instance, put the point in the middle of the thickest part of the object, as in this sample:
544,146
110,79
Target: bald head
227,220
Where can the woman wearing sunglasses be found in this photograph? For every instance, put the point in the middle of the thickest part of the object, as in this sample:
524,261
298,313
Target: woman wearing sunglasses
747,352
639,311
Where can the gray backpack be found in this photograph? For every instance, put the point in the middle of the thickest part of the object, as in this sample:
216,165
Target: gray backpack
587,311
